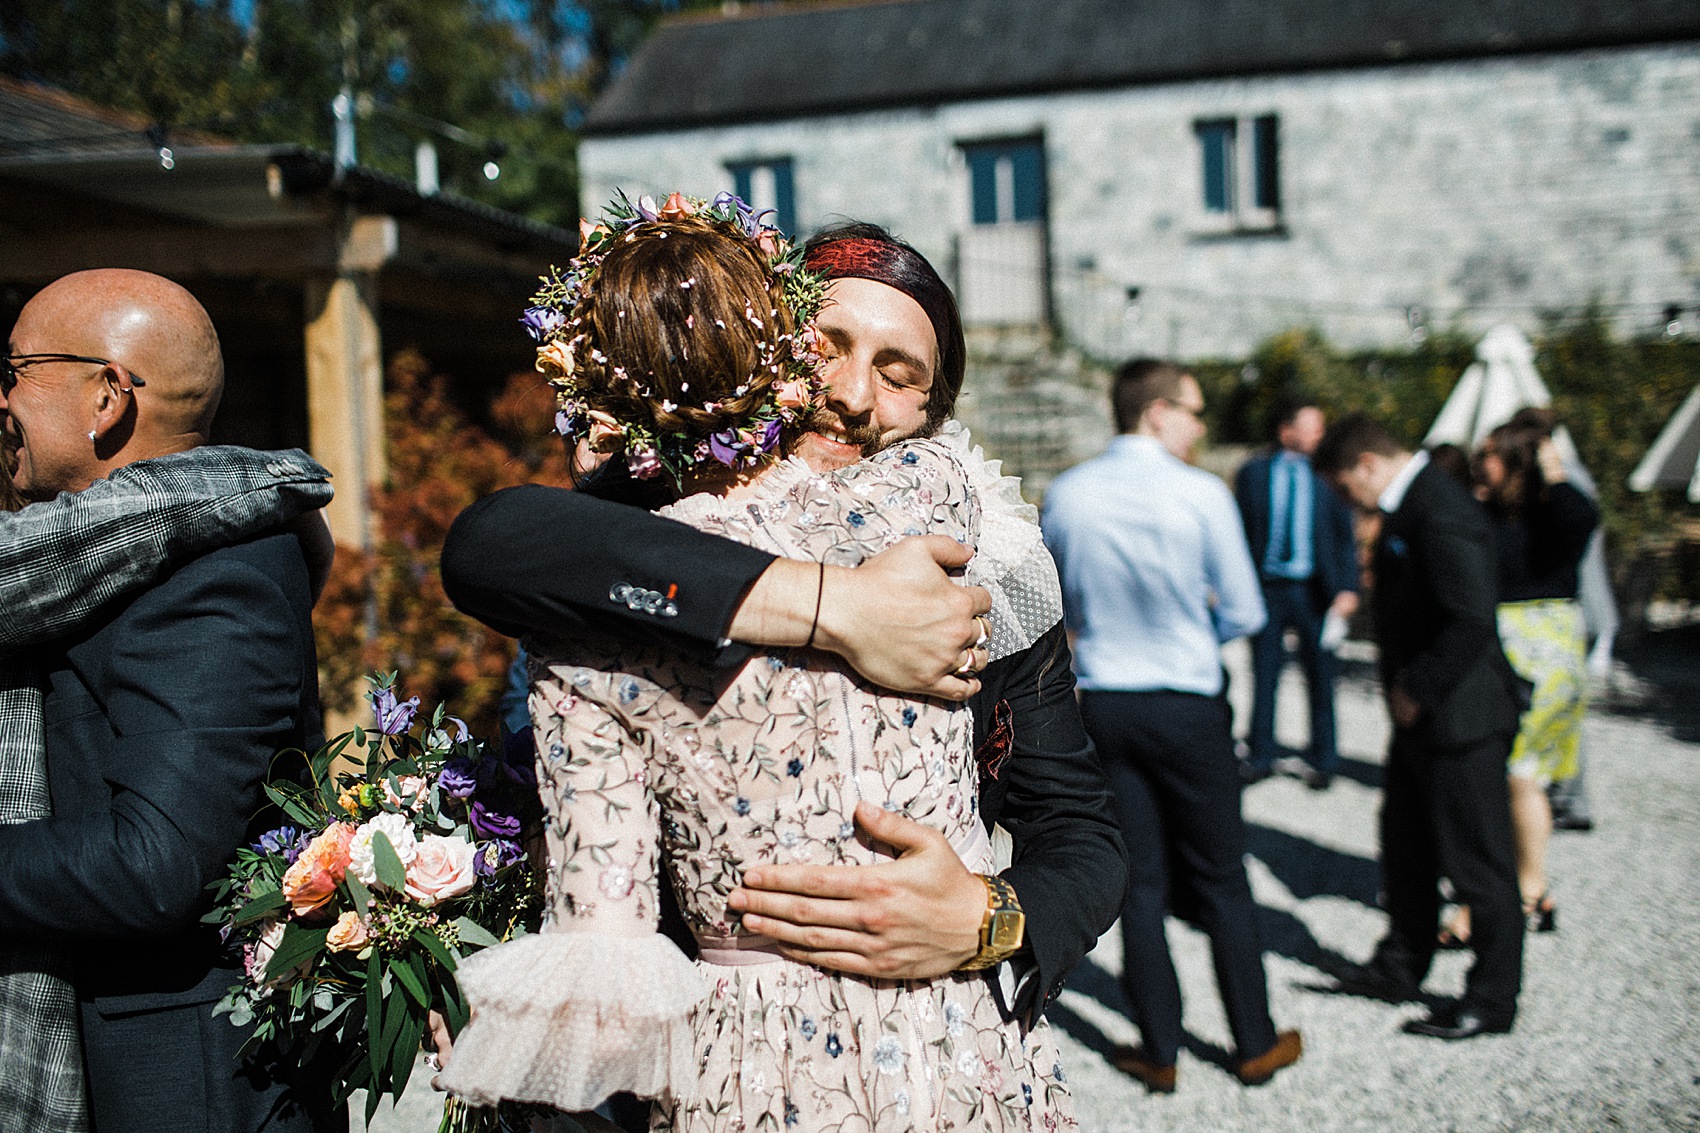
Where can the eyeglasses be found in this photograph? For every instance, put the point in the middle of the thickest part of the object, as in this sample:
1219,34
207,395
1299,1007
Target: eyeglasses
1196,414
12,365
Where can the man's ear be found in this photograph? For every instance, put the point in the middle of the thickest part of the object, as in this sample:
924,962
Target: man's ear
114,405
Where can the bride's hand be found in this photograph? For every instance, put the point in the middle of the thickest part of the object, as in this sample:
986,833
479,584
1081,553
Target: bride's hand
902,623
913,918
442,1043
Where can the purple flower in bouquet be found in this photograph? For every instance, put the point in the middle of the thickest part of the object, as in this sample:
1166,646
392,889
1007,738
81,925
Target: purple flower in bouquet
488,823
495,855
461,733
286,840
540,322
394,717
458,779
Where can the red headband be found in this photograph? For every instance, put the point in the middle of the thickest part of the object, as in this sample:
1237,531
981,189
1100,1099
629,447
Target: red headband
861,257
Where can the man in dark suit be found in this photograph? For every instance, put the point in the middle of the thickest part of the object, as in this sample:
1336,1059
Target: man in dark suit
160,720
542,560
1455,703
1301,539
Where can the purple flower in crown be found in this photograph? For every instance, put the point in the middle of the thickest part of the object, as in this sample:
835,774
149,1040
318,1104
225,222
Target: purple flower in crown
646,208
644,463
496,855
540,322
487,823
457,779
394,717
565,423
725,447
768,439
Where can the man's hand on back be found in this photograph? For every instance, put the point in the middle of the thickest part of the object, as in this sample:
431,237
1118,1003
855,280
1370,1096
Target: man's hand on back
902,623
913,918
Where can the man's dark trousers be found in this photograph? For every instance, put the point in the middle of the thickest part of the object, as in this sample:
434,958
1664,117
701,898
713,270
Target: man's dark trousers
1447,813
1291,603
1170,761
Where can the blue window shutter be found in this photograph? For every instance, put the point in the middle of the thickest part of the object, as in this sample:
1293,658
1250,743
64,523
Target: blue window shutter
1028,159
785,200
741,182
1265,134
1216,143
983,180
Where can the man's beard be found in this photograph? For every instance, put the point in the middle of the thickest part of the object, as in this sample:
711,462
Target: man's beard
865,437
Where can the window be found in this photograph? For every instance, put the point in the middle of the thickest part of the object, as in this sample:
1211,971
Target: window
767,185
1007,181
1001,255
1241,165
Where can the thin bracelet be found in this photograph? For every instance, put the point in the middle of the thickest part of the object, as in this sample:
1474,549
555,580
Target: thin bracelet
820,587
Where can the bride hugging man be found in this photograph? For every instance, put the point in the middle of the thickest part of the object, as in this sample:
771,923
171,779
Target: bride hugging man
711,711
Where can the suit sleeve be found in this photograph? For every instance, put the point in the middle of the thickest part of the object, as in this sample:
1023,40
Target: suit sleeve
203,687
1459,561
1345,543
550,561
64,559
1069,868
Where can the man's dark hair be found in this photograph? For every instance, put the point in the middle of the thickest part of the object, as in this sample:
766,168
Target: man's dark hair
1347,440
858,250
1285,411
1139,383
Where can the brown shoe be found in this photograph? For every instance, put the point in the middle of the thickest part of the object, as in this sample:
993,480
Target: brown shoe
1256,1071
1131,1060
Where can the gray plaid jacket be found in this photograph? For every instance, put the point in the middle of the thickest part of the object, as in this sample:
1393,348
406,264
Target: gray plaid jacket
60,563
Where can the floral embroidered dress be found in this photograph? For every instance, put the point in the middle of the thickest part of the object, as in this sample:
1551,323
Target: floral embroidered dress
645,758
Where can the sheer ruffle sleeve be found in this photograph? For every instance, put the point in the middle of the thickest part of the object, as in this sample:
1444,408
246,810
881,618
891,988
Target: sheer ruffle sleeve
598,1002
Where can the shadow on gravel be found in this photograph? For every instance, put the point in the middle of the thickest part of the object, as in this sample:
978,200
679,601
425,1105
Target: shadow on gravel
1666,665
1309,870
1090,980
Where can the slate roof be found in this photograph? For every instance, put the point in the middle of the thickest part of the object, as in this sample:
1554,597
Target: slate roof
35,119
776,61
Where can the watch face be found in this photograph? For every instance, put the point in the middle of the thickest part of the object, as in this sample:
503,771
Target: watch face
1007,926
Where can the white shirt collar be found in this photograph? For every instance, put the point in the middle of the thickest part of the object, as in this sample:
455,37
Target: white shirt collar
1395,493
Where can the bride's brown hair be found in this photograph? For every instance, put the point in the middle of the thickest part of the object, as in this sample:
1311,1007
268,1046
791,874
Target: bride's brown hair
685,329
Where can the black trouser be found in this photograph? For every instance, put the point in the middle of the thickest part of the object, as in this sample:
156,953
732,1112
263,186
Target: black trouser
1447,813
1170,761
1289,604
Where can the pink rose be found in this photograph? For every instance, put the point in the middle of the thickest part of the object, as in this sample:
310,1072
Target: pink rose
413,795
768,241
349,934
644,463
676,208
443,868
258,956
793,393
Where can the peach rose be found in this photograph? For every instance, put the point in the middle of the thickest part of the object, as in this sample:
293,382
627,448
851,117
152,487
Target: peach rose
604,431
442,869
311,882
768,241
348,934
676,208
555,359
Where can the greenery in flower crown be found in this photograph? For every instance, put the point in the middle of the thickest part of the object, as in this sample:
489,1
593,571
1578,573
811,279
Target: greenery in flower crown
786,384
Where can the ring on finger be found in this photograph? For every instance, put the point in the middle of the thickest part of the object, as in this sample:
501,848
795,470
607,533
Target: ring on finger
985,630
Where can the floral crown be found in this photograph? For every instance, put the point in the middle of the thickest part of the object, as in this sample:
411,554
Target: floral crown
786,382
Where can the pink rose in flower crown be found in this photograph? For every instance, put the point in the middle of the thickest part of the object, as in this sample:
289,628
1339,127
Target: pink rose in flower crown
413,795
311,882
676,208
793,393
768,241
644,463
604,431
349,934
443,868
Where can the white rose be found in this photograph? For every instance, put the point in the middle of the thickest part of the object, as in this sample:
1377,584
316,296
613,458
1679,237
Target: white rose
397,828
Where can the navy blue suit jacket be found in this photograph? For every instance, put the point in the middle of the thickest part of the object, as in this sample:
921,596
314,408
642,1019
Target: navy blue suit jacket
1334,548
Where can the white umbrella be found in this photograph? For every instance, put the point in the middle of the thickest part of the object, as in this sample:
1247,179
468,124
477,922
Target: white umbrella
1502,380
1674,459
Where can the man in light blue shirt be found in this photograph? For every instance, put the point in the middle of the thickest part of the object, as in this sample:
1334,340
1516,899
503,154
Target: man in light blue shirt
1156,575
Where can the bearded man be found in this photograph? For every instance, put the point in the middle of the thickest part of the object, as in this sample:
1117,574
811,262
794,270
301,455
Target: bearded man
554,562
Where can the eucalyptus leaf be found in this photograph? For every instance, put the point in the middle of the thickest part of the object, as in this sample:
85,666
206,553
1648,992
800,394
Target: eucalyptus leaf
298,944
391,872
258,907
471,932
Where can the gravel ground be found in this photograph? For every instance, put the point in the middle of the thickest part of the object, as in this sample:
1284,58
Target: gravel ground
1608,1035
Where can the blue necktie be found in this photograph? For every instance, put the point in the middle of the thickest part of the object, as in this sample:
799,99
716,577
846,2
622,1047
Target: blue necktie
1286,515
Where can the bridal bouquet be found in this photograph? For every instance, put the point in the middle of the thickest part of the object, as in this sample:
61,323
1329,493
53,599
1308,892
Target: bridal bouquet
404,849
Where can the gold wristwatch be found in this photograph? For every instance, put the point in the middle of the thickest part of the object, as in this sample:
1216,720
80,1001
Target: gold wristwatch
1003,929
